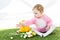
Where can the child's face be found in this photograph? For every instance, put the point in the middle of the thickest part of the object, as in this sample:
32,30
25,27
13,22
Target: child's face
37,13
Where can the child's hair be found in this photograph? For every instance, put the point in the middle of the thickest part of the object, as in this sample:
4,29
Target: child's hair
39,7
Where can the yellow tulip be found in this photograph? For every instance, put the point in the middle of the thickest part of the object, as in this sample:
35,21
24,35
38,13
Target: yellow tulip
24,28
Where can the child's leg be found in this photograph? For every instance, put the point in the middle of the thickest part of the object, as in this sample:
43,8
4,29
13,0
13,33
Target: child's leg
37,32
49,31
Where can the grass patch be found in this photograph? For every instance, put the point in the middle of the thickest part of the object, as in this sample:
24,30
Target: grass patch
5,35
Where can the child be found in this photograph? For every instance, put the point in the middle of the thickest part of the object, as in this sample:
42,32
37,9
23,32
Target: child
43,22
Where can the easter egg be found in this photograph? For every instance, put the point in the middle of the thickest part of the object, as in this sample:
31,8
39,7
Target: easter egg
33,33
11,37
25,35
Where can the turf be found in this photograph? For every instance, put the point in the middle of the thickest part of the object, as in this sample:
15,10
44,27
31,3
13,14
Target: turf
5,35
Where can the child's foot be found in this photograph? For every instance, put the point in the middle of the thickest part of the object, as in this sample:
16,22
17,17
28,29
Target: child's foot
40,34
44,35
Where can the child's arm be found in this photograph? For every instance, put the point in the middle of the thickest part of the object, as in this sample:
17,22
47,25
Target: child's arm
49,23
29,22
47,28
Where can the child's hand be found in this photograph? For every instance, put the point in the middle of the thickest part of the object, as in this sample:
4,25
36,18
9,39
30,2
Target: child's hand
20,24
48,27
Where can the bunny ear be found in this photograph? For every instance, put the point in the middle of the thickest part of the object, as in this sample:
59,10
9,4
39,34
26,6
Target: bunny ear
45,3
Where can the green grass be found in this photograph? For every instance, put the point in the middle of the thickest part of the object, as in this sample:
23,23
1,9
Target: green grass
5,35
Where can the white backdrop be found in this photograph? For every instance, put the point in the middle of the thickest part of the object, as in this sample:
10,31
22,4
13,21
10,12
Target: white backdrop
12,11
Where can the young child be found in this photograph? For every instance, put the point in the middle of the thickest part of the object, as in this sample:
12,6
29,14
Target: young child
43,23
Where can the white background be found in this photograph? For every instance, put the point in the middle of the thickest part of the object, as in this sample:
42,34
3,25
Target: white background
16,10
